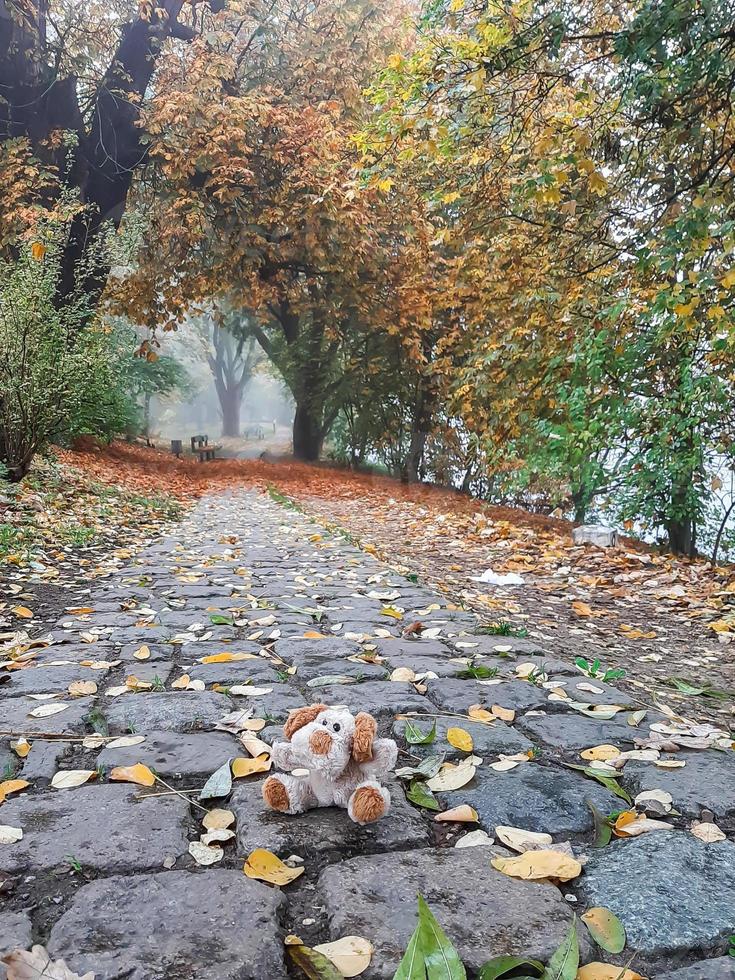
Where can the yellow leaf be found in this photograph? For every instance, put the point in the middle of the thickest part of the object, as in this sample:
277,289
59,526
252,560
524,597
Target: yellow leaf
80,611
23,612
597,183
81,688
182,682
9,786
463,813
142,653
21,748
460,739
38,250
505,714
606,971
601,753
247,767
476,713
218,819
138,773
265,866
350,954
728,280
581,608
535,865
313,635
390,611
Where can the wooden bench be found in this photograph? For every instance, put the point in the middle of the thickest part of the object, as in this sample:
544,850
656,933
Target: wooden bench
201,447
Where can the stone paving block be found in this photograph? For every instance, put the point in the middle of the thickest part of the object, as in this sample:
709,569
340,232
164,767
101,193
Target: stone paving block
258,672
484,912
488,740
103,827
721,968
172,754
178,711
671,892
15,933
42,680
313,669
573,732
546,799
216,925
15,716
297,650
707,781
326,831
380,698
158,651
458,695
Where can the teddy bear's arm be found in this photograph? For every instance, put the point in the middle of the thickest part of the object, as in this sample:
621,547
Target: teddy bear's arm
385,753
284,757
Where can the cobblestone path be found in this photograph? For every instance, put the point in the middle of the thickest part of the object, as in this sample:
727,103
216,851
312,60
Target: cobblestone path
103,876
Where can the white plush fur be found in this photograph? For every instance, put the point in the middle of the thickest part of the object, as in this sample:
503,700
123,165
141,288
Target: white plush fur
334,777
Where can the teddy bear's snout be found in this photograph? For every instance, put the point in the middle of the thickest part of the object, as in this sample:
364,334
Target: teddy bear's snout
320,742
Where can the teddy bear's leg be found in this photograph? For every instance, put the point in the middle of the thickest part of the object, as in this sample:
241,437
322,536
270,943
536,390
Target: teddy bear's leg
288,794
369,802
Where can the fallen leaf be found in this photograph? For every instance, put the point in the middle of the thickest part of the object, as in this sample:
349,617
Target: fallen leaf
142,653
217,835
10,835
182,682
505,714
219,783
606,971
605,928
251,692
459,739
475,838
459,814
36,964
265,866
350,954
709,833
521,840
600,753
452,777
247,767
226,658
657,800
21,748
419,794
124,741
9,786
205,855
23,612
535,865
403,674
138,773
218,819
255,745
310,962
81,688
69,778
627,827
47,709
581,608
414,735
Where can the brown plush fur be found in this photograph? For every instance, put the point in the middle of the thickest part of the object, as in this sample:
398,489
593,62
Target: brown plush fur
366,729
320,743
300,717
368,805
275,794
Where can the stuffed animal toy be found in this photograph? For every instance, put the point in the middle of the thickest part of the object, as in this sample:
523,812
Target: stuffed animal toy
344,760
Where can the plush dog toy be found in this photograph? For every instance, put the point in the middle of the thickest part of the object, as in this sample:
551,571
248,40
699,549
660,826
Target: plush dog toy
344,760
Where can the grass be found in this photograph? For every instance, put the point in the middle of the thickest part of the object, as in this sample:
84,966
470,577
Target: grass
502,629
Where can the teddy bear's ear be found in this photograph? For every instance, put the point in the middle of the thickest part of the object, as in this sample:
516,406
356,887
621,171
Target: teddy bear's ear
300,717
366,729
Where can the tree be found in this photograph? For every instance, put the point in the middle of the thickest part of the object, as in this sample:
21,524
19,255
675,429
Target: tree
72,79
232,364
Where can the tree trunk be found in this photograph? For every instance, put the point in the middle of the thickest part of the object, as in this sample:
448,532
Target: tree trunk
230,403
683,537
308,436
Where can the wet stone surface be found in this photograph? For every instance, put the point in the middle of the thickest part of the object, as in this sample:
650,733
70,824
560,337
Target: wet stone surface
311,605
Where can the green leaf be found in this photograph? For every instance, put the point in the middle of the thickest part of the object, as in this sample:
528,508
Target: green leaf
414,735
609,782
499,967
220,619
328,679
441,958
219,783
427,768
412,966
478,672
564,964
605,928
420,794
315,965
603,830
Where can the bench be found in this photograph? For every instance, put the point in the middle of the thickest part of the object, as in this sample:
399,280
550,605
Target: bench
201,447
